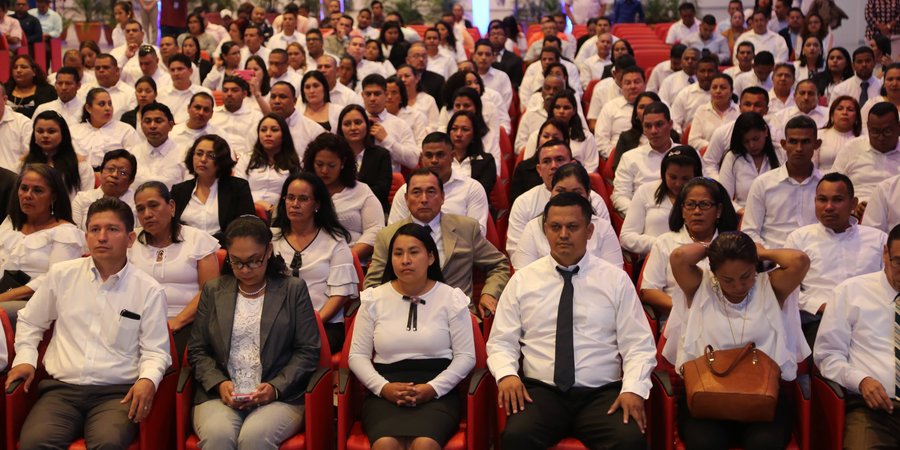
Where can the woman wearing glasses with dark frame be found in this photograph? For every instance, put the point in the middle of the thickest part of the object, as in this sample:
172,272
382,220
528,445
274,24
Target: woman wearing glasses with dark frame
308,235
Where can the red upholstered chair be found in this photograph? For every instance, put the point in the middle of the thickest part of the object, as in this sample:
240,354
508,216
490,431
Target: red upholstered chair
686,135
600,188
155,432
420,29
498,198
318,431
9,338
475,392
648,310
56,54
475,33
396,181
588,94
651,56
507,155
827,413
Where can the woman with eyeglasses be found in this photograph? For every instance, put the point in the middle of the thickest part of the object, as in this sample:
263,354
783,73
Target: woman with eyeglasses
271,161
844,124
181,258
701,211
412,345
213,198
254,345
373,161
571,178
724,303
750,154
98,133
647,217
329,157
308,235
37,234
51,144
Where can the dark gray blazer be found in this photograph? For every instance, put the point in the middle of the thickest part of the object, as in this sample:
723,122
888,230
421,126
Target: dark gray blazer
289,342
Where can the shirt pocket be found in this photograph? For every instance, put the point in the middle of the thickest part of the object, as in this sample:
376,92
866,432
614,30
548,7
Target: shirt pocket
594,314
122,334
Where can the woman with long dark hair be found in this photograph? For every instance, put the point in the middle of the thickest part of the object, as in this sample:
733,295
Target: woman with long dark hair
750,154
27,87
145,92
811,60
191,48
634,137
196,28
648,214
564,108
347,72
838,68
844,124
466,132
397,103
374,161
51,144
525,175
37,234
467,99
721,109
308,235
813,25
228,62
416,99
316,101
449,45
253,385
393,43
412,345
272,160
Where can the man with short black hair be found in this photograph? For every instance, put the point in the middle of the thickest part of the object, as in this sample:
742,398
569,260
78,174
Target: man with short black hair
806,102
593,67
31,27
615,117
753,99
148,65
694,95
178,94
505,61
429,82
158,157
781,96
338,93
337,41
483,58
110,346
761,75
791,33
440,62
662,70
708,41
743,62
106,70
863,85
684,27
641,165
764,39
280,71
282,101
873,157
67,104
675,83
253,43
199,112
389,131
117,173
287,34
233,118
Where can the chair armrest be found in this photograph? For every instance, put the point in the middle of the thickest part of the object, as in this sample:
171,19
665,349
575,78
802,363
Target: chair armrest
663,410
478,410
343,380
184,402
156,430
344,406
662,379
803,416
649,311
827,411
351,307
319,409
18,405
836,389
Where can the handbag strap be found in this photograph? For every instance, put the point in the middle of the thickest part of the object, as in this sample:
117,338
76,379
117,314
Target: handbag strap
710,358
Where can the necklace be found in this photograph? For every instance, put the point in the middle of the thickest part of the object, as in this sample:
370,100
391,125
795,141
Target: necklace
723,303
254,293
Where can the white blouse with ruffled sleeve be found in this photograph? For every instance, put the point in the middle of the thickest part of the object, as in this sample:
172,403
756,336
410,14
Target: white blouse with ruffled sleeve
36,252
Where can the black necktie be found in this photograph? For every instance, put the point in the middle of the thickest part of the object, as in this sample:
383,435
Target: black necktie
864,93
564,368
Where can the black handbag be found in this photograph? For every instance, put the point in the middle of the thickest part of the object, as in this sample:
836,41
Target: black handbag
13,279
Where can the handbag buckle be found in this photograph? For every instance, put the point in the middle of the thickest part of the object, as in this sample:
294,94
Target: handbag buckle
755,359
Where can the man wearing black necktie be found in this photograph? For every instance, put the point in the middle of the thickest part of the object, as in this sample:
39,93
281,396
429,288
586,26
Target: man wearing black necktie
585,345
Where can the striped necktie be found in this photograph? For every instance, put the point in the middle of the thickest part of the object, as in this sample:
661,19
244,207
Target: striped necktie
897,346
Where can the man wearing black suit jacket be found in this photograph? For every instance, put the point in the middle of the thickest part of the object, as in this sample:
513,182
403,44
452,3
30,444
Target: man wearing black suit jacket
791,34
429,82
506,61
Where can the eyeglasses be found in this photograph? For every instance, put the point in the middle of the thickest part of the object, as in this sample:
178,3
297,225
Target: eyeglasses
296,264
115,170
704,205
238,265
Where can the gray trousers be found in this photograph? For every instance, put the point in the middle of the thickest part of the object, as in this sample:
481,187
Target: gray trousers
221,427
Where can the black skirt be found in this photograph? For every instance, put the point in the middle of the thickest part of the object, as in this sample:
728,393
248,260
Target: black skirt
437,419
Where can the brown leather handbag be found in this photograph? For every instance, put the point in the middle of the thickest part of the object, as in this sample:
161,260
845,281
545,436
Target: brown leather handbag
740,384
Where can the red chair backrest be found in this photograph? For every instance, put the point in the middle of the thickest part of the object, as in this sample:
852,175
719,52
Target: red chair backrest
650,57
396,181
600,188
221,255
608,172
491,234
686,135
588,95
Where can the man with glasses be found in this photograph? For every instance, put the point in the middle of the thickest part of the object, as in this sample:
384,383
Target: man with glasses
873,158
461,244
856,347
783,199
110,345
116,177
278,69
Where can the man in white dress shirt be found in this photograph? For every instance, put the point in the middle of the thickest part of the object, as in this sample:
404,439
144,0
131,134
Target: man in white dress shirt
389,131
592,68
200,111
781,96
761,75
338,93
863,85
744,53
883,210
110,345
253,45
314,48
856,348
68,105
125,53
574,378
838,249
168,47
589,47
662,70
178,95
278,69
753,99
288,32
158,158
764,39
708,41
483,57
282,101
675,83
615,117
107,72
236,119
15,135
806,102
463,195
686,101
117,173
438,62
725,22
783,199
148,65
641,165
550,156
873,157
684,27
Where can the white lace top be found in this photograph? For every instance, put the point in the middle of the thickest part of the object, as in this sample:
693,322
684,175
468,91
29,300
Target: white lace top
244,365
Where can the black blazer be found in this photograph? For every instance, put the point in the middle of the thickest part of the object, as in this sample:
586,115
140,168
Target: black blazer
433,85
786,35
289,337
484,171
512,64
235,200
376,171
130,117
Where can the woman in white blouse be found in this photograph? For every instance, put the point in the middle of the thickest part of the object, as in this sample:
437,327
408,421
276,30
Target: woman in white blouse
720,109
98,133
466,131
728,305
229,61
701,211
396,102
570,179
358,210
811,60
316,101
37,234
51,144
494,114
181,258
564,107
412,345
309,237
648,214
844,124
449,45
750,154
270,162
415,99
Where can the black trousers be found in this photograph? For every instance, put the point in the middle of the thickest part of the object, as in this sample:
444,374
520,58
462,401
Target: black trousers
707,434
579,413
